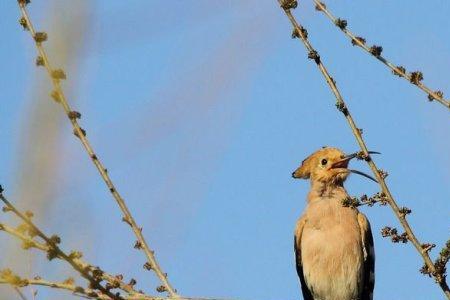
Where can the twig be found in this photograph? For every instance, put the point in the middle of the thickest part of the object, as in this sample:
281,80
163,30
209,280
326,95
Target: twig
52,249
8,277
301,33
113,281
414,77
27,242
58,95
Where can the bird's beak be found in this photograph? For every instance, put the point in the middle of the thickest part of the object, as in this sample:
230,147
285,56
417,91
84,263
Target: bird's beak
347,158
343,163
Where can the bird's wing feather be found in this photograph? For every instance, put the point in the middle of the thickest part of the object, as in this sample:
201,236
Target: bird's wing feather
369,257
307,295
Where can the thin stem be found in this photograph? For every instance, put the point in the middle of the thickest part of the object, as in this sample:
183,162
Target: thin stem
70,286
80,133
52,246
432,95
29,242
300,32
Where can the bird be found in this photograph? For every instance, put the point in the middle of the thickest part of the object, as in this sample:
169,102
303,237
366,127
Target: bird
333,244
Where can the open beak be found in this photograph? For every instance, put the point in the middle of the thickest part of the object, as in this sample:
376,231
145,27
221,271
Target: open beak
344,163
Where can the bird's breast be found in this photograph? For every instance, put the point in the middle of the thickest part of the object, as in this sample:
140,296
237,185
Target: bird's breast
331,250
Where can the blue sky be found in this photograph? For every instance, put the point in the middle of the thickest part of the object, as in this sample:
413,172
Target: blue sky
201,110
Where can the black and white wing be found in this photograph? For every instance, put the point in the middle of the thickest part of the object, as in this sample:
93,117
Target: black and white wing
369,258
307,295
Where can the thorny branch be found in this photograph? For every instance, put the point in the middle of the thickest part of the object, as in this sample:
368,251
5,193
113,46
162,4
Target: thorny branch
414,78
301,33
58,95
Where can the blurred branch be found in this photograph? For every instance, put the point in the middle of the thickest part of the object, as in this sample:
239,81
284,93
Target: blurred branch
9,277
112,281
414,78
26,233
56,75
301,33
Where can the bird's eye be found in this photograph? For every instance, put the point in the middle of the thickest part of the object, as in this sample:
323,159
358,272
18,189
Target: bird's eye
324,162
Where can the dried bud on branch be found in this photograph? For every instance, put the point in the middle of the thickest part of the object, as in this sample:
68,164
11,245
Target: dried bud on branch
58,74
441,262
351,202
83,132
74,115
132,282
416,77
137,245
383,173
39,61
75,255
56,96
399,71
405,211
52,253
320,6
438,95
161,289
23,2
40,37
8,276
395,237
340,105
23,23
358,41
289,4
314,55
376,50
341,23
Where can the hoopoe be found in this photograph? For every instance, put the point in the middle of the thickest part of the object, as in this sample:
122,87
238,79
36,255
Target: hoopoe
333,244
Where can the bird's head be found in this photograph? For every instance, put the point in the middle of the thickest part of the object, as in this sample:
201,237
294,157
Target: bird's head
327,165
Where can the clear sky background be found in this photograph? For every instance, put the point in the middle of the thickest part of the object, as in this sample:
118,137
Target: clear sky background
201,110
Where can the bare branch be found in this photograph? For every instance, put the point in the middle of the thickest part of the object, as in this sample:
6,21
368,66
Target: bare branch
341,105
93,274
56,75
9,277
112,281
414,77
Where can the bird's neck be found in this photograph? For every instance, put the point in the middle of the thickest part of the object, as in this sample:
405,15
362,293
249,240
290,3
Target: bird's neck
321,189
